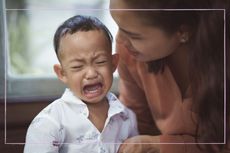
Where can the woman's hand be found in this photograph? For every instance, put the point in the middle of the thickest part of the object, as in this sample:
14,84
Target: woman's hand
140,144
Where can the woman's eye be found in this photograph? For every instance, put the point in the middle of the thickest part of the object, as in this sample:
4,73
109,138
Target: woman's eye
135,38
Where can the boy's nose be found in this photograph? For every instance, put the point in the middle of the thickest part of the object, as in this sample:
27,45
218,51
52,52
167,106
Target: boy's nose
91,73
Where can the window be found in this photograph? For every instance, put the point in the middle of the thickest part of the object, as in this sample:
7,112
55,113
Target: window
28,42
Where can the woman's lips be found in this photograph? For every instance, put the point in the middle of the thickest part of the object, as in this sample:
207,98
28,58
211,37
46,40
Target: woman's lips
132,52
92,90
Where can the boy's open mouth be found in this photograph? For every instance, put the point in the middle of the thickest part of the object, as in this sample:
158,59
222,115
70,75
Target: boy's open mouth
92,90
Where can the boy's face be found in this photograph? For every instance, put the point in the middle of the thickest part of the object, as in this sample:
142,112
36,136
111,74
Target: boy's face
87,64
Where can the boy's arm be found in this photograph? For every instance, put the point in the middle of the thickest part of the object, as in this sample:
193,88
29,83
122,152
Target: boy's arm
43,136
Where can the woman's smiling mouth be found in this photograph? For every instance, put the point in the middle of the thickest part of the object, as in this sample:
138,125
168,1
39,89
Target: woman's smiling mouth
132,51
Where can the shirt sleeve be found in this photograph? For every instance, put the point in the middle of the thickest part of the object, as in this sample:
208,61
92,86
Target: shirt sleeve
133,124
131,95
43,136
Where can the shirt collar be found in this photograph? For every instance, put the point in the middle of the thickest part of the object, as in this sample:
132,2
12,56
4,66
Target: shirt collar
76,104
69,97
115,106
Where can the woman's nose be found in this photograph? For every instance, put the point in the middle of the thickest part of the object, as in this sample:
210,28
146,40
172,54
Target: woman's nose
121,38
91,73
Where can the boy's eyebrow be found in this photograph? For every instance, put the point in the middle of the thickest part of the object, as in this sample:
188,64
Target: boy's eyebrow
76,59
129,33
82,60
100,54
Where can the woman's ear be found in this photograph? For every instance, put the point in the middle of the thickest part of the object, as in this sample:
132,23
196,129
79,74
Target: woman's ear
115,59
60,73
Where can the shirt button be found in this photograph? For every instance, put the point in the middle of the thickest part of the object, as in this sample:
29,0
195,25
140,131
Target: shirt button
99,138
102,150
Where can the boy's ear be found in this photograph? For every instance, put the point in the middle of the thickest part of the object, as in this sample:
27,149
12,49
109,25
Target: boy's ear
60,73
115,59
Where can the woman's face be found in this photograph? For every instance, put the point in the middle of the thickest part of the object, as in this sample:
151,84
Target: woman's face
144,42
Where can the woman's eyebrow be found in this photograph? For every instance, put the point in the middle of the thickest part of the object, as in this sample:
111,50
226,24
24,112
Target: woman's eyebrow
129,33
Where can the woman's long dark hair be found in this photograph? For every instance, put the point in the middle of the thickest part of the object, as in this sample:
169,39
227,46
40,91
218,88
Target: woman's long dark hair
207,77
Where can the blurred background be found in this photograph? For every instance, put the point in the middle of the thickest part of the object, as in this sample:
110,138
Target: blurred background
31,25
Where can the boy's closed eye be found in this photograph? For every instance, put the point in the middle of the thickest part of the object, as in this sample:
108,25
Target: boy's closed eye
101,62
76,67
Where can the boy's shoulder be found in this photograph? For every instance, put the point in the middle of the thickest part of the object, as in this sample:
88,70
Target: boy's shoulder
52,107
46,124
51,111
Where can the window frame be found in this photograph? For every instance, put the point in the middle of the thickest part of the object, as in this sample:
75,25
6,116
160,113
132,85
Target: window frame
2,52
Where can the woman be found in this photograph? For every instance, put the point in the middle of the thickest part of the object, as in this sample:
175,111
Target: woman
172,74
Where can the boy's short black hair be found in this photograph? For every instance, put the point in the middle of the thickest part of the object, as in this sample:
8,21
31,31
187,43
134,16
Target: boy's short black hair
80,23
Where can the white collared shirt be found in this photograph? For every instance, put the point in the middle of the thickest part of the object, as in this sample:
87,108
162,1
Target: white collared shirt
63,127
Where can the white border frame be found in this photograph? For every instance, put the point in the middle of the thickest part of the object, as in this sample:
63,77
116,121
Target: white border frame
8,81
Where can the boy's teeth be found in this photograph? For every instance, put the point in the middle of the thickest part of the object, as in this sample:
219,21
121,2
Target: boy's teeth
92,91
92,88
